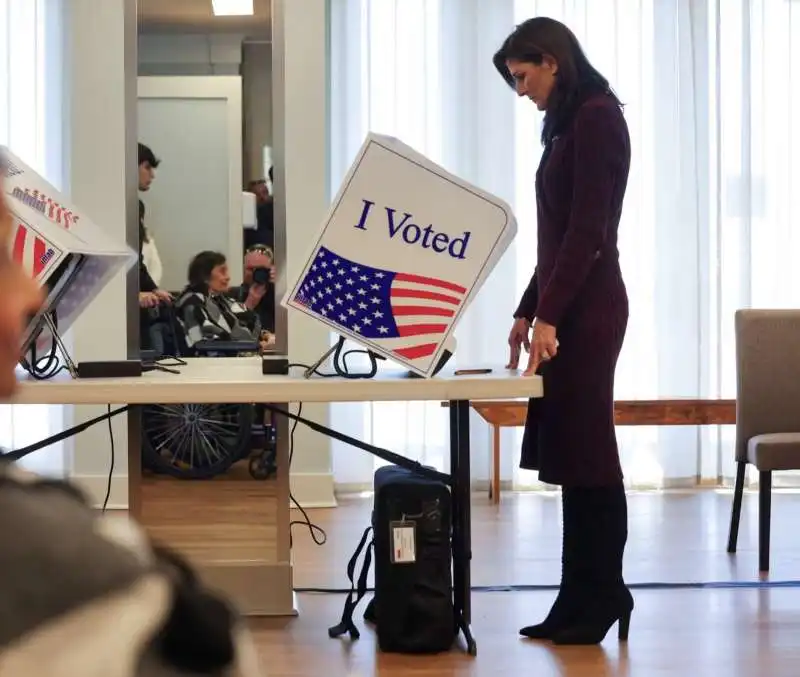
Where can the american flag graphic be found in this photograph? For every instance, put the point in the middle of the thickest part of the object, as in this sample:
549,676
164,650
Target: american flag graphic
407,313
31,250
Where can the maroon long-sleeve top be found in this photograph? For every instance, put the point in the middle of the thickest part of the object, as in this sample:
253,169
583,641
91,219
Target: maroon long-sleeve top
577,287
580,188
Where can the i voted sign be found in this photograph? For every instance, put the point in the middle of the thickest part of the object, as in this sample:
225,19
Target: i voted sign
404,248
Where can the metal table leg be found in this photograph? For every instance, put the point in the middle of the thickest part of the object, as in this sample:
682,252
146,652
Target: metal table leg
462,521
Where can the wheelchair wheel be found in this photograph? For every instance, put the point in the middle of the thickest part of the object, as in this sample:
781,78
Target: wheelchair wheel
195,441
261,467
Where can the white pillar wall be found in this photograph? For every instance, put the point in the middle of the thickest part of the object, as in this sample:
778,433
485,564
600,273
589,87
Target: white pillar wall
100,134
100,88
299,94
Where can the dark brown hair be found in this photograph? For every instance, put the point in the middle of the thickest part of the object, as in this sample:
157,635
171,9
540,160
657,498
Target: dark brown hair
148,156
576,78
201,266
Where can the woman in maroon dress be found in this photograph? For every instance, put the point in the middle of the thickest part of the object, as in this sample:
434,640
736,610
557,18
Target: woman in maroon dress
577,306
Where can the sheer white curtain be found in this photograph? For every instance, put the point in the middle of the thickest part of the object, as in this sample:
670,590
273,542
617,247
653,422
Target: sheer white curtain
757,151
30,125
707,227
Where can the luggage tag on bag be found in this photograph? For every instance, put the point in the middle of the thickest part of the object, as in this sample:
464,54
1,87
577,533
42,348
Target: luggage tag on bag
404,541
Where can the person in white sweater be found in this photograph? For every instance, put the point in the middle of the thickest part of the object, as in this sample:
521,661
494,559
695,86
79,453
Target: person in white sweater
150,268
150,257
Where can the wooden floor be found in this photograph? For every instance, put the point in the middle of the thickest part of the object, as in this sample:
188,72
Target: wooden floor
197,518
676,537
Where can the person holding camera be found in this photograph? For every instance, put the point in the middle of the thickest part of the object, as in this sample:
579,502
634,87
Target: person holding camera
257,291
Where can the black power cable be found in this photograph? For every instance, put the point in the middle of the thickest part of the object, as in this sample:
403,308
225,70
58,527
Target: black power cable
111,466
17,454
340,361
341,370
313,528
46,366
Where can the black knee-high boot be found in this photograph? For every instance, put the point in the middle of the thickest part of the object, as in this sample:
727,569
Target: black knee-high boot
568,602
604,533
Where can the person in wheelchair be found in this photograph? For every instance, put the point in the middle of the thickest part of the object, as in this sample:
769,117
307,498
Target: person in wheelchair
205,312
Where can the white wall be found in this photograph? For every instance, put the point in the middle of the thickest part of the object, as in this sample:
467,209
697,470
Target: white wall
97,120
189,54
299,111
194,126
201,54
99,49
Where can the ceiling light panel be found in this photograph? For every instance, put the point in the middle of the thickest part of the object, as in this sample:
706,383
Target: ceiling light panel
232,7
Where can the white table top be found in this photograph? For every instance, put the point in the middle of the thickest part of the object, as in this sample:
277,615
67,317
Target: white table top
239,380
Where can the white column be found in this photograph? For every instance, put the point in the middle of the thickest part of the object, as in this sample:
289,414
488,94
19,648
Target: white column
299,92
100,131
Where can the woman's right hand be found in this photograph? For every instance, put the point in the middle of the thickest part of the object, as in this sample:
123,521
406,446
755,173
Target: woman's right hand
518,337
147,299
163,296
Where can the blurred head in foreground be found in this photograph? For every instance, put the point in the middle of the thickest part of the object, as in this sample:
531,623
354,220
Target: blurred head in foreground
20,297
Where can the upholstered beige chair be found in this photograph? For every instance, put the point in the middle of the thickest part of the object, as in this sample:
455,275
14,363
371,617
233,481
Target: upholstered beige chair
767,409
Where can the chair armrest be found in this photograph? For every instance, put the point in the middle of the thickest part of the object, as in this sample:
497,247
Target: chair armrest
231,347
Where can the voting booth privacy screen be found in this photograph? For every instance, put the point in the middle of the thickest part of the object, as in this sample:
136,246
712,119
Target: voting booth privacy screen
403,250
67,254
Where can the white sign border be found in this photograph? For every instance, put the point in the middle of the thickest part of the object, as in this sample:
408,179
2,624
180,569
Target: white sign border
289,302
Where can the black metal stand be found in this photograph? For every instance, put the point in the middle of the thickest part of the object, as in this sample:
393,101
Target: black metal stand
462,519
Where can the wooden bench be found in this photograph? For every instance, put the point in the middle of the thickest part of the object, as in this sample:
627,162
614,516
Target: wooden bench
667,412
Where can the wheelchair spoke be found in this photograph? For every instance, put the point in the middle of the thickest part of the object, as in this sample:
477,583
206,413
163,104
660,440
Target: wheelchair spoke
196,437
164,440
160,425
225,427
168,410
182,447
185,447
215,451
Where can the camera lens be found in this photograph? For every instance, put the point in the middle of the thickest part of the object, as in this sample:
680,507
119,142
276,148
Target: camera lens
261,276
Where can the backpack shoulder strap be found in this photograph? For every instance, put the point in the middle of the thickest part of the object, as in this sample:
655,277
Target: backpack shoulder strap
359,590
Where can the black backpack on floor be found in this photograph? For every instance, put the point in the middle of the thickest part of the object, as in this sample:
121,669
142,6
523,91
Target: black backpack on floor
412,608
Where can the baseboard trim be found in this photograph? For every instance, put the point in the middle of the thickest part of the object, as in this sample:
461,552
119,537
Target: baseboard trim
95,487
313,490
479,486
